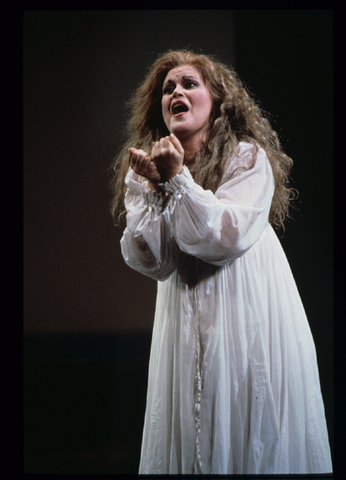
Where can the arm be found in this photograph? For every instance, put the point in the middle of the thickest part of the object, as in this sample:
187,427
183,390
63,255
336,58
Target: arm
218,228
148,244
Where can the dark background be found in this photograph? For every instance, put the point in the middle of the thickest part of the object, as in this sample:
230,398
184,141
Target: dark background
87,316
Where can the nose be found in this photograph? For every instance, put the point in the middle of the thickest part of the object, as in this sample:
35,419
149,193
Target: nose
177,91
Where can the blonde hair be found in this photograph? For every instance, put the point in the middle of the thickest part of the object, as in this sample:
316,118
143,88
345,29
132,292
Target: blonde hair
235,117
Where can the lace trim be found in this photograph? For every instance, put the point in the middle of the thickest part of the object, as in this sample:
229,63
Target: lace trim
157,202
174,189
178,183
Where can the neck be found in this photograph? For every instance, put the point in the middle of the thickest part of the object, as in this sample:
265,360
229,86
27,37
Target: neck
191,147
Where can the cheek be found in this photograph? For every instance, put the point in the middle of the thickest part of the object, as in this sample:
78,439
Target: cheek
205,104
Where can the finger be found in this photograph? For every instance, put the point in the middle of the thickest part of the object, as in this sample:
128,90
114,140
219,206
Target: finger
163,142
176,143
152,172
135,161
142,164
136,156
137,152
156,149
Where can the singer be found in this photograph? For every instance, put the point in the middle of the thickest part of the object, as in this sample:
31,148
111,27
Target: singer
233,383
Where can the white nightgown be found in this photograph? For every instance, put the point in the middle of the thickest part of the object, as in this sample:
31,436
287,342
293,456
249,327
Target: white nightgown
233,381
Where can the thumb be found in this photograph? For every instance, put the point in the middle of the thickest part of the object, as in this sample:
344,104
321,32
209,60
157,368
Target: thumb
176,143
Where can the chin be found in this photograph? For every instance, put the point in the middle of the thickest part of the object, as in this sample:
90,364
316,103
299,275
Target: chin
179,131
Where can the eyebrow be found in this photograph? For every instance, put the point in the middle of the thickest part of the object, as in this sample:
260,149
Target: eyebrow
185,77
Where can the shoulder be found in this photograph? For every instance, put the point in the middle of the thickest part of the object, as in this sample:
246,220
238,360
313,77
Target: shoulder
247,160
249,150
246,155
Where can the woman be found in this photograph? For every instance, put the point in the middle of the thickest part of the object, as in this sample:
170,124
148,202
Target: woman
233,380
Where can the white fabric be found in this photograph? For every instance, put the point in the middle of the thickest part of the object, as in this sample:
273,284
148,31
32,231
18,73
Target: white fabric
233,379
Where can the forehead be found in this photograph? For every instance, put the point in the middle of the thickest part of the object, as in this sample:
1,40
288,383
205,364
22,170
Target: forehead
178,72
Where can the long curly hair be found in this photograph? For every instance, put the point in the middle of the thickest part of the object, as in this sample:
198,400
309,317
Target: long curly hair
235,117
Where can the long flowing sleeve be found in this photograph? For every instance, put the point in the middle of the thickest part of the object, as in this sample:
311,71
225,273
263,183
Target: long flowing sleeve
148,244
218,228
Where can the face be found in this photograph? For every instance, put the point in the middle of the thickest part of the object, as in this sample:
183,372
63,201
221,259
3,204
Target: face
186,103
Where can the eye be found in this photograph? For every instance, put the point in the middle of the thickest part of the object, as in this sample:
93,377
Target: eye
191,84
168,90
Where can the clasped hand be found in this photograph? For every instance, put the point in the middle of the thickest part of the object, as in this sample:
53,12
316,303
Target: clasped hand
165,160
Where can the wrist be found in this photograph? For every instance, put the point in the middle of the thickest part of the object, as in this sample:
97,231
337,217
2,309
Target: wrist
154,186
174,173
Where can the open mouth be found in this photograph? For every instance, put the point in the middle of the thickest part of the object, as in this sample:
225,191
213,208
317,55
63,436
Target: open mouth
179,108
